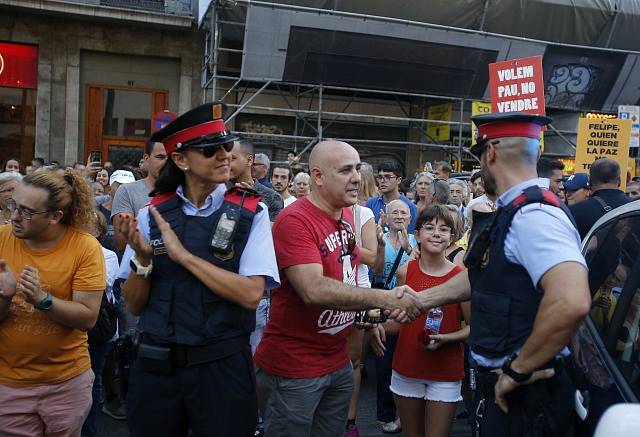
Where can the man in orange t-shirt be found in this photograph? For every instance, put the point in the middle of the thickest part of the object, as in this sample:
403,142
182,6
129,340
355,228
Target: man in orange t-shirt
51,281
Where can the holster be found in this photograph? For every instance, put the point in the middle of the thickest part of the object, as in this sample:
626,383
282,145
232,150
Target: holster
156,359
166,358
531,413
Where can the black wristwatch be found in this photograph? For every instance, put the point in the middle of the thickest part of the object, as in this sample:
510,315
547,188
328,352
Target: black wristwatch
517,377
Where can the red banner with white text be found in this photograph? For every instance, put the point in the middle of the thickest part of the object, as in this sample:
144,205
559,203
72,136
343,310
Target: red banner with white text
517,85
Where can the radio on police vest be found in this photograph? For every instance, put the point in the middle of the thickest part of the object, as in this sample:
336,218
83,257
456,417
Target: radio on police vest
224,232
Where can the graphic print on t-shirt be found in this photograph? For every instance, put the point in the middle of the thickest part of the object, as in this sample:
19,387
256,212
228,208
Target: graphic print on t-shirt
24,317
334,321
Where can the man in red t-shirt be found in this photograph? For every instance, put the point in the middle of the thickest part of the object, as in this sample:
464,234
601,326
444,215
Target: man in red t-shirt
304,374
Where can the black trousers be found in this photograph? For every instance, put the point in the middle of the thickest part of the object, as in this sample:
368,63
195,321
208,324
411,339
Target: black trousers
215,399
542,409
385,405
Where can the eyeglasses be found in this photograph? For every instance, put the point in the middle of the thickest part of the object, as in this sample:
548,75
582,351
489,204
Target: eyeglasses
210,150
384,177
351,238
24,213
432,230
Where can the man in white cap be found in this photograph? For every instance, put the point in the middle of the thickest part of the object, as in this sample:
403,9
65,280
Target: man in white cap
121,177
136,195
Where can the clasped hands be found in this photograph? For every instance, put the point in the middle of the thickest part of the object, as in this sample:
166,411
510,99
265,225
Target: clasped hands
28,283
402,304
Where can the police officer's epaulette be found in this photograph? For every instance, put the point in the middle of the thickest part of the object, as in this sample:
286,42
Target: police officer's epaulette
249,199
162,198
536,194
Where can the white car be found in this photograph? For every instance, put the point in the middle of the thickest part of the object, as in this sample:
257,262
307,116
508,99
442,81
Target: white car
606,350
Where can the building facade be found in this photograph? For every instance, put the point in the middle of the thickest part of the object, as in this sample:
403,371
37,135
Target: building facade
88,76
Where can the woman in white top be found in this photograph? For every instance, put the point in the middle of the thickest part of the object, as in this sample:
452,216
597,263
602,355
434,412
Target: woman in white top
366,239
99,353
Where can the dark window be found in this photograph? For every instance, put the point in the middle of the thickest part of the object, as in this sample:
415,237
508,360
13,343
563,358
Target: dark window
574,78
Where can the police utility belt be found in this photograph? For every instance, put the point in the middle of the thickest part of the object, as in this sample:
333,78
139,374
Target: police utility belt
166,358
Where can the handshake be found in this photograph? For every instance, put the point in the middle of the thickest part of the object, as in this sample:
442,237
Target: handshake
401,304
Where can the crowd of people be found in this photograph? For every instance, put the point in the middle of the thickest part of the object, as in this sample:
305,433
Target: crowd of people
241,295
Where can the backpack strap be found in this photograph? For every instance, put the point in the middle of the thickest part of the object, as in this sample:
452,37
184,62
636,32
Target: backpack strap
395,266
603,204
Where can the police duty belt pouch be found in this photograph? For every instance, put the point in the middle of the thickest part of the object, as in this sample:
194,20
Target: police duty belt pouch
155,359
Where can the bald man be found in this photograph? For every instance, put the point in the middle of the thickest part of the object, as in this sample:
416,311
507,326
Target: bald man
304,374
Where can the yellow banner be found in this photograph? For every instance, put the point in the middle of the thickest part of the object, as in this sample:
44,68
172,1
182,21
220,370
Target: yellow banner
439,131
603,138
478,108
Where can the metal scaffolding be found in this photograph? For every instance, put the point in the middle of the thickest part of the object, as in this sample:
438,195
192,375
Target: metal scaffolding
239,95
223,81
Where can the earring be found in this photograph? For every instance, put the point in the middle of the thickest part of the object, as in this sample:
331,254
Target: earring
186,168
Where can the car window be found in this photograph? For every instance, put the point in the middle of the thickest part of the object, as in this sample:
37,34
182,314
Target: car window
612,254
626,353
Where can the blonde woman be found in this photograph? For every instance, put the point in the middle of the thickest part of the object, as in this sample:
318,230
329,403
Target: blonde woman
368,187
422,188
456,249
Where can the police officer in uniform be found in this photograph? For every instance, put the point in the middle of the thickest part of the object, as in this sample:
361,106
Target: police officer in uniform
527,282
200,257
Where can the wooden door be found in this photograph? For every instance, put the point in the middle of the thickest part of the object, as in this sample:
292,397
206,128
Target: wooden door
118,121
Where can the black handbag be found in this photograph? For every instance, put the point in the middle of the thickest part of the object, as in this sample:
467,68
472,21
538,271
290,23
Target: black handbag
105,327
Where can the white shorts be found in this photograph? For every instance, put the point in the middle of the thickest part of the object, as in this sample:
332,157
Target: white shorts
439,391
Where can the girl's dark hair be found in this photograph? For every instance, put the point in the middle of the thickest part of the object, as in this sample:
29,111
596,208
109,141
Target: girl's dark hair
458,228
435,212
169,179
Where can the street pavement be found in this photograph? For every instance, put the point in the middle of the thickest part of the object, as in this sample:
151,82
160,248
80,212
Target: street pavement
366,421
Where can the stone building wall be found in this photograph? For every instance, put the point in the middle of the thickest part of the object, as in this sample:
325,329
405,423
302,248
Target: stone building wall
61,40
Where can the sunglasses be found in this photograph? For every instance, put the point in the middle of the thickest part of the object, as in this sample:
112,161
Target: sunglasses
351,238
209,150
483,147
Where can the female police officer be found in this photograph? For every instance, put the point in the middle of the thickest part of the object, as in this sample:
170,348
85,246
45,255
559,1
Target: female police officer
200,258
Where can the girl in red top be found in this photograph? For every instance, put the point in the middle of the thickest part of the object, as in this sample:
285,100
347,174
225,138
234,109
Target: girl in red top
427,379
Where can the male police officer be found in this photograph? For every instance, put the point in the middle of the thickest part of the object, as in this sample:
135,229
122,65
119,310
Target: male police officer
527,281
202,257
